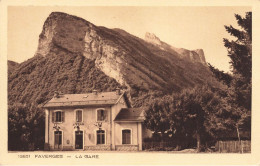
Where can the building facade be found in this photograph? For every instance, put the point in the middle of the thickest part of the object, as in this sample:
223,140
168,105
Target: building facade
93,121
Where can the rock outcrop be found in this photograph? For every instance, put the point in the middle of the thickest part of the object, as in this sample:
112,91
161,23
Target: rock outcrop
78,36
192,55
152,38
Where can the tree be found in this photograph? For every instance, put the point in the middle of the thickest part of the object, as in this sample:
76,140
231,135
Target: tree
195,107
25,127
240,82
222,76
195,113
156,115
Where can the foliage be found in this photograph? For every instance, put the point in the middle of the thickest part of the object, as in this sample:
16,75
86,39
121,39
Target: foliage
36,79
240,50
200,113
197,108
156,114
222,76
25,127
239,94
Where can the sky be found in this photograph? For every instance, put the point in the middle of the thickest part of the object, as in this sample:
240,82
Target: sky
181,27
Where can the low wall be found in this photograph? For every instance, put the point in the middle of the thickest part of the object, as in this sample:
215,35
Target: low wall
67,148
127,147
52,148
98,147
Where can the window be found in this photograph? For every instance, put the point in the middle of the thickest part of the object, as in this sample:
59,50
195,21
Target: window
57,139
100,137
79,116
101,115
58,116
126,136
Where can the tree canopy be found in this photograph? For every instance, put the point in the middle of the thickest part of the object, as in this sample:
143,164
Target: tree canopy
239,94
198,113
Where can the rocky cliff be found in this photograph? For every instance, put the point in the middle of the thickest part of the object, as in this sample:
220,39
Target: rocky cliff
192,55
75,56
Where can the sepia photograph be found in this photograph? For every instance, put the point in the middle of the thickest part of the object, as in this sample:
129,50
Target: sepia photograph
83,81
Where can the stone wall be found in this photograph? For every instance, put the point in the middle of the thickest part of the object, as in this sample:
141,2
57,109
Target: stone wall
127,147
67,148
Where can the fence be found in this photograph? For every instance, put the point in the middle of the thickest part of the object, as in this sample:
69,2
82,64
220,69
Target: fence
159,146
233,146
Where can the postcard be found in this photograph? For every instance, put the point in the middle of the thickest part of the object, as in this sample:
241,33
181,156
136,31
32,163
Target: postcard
129,83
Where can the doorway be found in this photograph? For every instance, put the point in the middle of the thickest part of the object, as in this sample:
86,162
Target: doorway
57,140
78,139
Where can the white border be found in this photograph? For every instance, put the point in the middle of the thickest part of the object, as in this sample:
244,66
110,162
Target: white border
162,158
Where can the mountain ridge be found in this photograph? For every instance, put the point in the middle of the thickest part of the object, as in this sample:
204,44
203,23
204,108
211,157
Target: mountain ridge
75,56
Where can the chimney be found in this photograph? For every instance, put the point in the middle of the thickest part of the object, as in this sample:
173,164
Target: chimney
94,92
118,91
61,94
56,94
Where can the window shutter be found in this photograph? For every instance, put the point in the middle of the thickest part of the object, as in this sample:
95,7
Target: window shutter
53,116
98,115
105,115
77,116
63,116
80,116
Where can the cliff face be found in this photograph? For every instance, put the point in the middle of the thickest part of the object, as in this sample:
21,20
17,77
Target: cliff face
192,55
75,56
77,36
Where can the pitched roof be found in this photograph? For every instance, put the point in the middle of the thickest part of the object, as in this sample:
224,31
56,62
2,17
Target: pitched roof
130,115
102,98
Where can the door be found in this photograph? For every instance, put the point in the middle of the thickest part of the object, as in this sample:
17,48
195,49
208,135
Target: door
57,140
78,139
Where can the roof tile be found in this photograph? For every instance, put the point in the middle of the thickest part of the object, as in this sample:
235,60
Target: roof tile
108,98
130,115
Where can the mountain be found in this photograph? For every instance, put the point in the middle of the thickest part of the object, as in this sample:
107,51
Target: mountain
76,56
